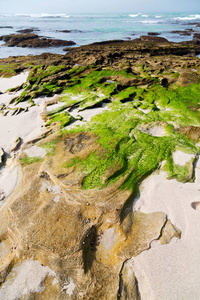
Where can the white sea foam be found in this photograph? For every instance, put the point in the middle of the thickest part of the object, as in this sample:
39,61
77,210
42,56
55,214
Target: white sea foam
134,15
149,22
40,15
157,17
145,16
190,17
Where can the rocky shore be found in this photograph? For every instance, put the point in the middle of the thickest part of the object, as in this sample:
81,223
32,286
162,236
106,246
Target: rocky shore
32,40
95,147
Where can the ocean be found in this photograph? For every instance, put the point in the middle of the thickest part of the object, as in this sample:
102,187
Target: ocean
89,28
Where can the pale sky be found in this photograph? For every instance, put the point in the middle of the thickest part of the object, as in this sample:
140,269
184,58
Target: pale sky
98,6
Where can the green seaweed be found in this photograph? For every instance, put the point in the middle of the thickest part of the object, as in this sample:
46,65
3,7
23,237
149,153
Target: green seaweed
50,147
63,118
138,154
127,151
30,160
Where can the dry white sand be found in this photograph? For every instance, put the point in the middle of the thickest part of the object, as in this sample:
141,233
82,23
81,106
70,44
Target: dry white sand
69,287
170,272
88,113
157,130
35,151
25,278
181,158
26,125
8,83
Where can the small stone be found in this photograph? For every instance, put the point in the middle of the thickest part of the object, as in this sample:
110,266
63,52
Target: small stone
2,195
1,156
45,175
88,204
17,143
168,232
17,111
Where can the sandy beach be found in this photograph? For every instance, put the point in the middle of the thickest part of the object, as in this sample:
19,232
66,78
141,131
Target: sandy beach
163,270
171,271
25,125
100,173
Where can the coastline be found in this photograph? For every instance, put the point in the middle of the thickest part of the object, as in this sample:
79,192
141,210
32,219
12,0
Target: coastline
94,125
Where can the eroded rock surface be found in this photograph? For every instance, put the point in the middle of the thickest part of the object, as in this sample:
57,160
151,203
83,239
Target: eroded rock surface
32,40
71,215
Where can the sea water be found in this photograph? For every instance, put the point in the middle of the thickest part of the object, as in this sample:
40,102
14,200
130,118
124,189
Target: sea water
89,28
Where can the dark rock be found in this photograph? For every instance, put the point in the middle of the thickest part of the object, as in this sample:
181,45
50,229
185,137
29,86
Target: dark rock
153,33
108,42
196,36
2,197
9,27
28,30
164,82
19,70
197,24
70,31
187,32
67,48
32,41
45,175
153,39
1,156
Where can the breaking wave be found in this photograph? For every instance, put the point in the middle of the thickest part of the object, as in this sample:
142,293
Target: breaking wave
188,18
41,15
149,22
134,15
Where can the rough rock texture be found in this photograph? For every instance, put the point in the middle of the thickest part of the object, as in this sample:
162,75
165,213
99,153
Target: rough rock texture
186,32
71,215
169,231
32,40
84,243
28,30
16,144
128,286
69,31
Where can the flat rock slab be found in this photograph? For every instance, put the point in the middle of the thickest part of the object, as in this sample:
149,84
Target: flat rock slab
32,41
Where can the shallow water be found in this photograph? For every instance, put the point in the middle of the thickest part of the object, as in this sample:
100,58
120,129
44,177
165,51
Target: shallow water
89,28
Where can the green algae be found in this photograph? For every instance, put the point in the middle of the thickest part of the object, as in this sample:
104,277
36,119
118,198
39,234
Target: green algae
137,154
26,160
50,147
63,118
8,70
126,152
